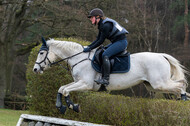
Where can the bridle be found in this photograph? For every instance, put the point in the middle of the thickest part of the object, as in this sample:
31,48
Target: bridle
44,60
57,62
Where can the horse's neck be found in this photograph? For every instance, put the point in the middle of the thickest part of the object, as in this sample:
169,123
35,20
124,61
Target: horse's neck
52,57
64,49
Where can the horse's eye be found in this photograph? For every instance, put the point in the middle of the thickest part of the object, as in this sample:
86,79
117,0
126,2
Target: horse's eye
41,53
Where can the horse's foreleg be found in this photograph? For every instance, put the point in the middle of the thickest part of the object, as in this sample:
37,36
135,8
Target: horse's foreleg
63,87
71,105
59,105
79,86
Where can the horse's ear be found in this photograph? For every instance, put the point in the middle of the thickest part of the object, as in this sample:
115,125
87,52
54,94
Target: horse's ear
44,44
43,41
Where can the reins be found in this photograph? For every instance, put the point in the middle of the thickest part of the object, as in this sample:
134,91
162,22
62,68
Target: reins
67,68
54,63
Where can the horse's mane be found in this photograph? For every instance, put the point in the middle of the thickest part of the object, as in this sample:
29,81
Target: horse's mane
65,45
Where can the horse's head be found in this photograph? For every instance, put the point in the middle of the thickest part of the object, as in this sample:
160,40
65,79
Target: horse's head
42,61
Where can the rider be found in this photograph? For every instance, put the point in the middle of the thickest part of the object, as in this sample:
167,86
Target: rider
110,29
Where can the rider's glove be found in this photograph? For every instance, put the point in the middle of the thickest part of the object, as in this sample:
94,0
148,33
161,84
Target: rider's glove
87,49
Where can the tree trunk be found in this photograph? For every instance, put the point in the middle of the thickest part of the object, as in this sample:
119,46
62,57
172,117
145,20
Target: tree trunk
12,23
10,57
186,24
2,75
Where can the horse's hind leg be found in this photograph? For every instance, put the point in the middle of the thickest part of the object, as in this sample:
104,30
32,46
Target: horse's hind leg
183,90
180,88
175,87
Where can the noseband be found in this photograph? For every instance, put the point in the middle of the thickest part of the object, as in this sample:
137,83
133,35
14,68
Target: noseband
44,60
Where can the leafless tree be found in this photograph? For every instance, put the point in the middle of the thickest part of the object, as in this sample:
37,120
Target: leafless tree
12,22
186,40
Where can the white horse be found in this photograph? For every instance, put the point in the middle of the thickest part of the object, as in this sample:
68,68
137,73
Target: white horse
162,71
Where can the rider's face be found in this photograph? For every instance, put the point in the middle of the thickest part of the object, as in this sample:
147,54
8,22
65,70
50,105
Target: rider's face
93,19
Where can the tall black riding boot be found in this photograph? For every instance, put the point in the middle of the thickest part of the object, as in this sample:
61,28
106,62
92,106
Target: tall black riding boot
105,73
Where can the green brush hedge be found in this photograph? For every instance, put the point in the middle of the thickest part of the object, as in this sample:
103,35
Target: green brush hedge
97,107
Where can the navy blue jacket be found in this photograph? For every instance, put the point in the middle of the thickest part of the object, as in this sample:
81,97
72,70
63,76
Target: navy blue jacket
110,29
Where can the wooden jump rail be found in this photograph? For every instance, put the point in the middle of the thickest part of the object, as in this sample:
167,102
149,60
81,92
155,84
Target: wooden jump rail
53,121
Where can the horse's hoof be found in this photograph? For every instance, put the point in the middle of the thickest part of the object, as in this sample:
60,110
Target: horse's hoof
76,108
102,88
183,97
62,109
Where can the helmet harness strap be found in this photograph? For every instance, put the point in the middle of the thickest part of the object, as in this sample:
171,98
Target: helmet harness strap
97,17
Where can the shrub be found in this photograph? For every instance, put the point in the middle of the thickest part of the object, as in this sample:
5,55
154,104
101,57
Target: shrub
100,107
125,111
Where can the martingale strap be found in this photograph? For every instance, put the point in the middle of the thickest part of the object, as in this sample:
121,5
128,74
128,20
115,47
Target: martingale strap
81,61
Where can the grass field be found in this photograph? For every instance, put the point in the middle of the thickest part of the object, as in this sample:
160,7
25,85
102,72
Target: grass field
10,117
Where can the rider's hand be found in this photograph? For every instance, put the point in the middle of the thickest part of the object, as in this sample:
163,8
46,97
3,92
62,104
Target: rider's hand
87,49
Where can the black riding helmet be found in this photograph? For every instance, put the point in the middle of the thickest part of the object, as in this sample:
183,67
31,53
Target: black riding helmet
96,12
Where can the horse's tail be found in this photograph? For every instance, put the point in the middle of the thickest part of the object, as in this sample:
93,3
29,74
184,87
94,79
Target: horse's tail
177,70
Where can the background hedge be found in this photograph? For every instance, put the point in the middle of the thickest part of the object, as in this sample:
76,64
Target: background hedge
102,108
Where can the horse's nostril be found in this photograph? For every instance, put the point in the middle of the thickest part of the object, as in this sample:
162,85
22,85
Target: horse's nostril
35,69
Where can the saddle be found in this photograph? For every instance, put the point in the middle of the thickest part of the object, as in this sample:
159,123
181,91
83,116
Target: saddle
120,63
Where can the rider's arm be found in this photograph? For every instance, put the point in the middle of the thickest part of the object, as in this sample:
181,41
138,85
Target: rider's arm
102,36
97,38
